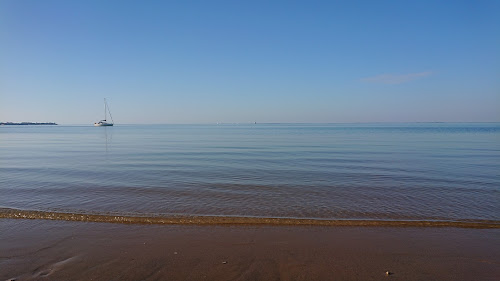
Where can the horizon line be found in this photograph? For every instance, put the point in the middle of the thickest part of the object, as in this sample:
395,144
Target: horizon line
274,123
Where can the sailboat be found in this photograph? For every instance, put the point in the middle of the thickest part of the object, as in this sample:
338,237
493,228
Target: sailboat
104,122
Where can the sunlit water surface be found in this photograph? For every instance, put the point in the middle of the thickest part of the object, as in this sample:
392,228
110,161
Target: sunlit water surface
421,171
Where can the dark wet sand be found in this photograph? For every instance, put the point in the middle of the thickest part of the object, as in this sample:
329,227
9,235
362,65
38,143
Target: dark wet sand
65,250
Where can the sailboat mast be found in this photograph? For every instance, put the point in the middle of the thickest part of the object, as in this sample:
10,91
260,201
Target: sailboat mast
104,121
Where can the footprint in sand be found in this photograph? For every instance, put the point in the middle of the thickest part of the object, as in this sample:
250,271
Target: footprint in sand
48,270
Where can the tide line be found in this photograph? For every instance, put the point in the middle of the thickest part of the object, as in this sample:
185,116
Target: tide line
9,213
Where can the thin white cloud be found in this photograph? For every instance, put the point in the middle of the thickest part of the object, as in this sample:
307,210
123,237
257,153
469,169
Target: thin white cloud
395,78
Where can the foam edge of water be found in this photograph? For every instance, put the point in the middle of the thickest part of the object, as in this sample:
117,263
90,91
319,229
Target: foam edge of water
9,213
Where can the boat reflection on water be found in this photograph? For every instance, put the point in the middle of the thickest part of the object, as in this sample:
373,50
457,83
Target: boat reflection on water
108,137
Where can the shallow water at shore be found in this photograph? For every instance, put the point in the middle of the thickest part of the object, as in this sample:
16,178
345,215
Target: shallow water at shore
444,172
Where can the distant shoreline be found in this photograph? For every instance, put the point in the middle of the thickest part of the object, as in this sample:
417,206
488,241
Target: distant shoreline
27,123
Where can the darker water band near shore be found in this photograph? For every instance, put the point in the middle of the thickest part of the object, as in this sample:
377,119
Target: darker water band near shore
229,220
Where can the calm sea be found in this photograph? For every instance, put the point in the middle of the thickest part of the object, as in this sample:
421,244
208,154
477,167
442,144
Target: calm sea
418,171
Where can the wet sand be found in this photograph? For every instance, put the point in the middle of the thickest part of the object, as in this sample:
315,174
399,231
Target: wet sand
68,250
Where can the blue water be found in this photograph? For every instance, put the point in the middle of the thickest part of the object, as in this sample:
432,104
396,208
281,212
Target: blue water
418,171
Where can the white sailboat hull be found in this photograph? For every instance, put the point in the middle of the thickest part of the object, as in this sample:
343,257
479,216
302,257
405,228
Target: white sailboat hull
102,124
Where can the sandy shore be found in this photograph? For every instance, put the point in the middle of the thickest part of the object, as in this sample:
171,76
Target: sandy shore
64,250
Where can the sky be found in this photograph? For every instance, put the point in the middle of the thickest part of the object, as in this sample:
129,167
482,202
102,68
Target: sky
162,62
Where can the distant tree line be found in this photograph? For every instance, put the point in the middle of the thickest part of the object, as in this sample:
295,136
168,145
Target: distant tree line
27,123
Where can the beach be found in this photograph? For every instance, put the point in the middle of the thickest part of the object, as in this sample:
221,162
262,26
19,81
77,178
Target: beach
249,140
66,250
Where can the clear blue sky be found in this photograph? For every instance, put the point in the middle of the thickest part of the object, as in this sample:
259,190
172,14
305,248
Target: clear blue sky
246,61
